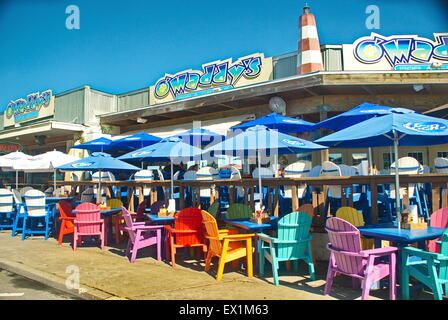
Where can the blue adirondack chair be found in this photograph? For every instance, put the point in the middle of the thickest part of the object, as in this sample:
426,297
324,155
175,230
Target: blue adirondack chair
7,209
292,243
38,215
429,268
20,213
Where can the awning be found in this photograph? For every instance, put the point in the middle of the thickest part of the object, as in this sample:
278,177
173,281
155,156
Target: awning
48,128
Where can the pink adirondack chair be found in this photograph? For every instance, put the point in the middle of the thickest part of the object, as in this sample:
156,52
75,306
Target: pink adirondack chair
438,219
346,257
88,222
141,236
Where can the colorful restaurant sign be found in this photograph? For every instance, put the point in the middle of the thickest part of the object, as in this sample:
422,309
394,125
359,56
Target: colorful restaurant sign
35,106
404,52
8,147
214,77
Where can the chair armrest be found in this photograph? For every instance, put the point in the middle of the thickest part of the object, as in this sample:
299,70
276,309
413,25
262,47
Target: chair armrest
380,251
147,227
67,218
422,253
265,237
184,231
88,222
239,237
292,241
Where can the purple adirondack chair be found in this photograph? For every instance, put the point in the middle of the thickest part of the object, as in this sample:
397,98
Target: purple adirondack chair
141,236
347,258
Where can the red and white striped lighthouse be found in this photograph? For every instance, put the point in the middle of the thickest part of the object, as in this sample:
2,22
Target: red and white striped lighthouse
309,56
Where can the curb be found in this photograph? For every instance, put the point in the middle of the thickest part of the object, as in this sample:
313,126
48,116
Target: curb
58,283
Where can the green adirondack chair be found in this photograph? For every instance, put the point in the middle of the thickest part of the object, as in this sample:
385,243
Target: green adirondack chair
239,211
427,267
213,209
292,243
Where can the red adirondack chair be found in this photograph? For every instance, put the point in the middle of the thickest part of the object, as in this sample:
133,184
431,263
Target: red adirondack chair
347,258
88,222
67,219
187,232
438,219
141,236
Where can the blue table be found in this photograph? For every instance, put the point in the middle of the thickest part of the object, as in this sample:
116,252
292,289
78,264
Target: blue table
155,218
246,224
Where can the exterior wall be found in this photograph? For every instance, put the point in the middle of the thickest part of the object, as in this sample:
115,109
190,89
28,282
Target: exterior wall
133,100
69,106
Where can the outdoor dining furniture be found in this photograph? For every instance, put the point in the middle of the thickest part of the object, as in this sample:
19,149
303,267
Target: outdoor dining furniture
356,218
347,258
429,268
186,233
293,243
438,219
67,218
225,246
88,222
141,236
38,215
7,209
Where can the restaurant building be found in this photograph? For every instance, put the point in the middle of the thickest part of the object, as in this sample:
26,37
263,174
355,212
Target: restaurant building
314,83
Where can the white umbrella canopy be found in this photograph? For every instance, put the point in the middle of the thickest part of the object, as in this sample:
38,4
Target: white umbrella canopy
7,161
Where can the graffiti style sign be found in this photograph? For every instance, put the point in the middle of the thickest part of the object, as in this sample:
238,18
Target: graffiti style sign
404,52
36,105
214,77
8,147
426,127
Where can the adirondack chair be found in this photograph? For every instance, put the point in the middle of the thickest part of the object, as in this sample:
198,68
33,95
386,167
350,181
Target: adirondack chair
347,258
88,222
141,213
213,209
67,219
36,211
438,219
239,211
87,195
144,176
299,169
293,243
117,219
209,174
356,218
263,173
155,207
7,209
406,165
187,233
428,268
20,212
24,190
225,246
141,236
334,193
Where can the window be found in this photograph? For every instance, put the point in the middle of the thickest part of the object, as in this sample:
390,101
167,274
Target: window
442,154
336,158
358,157
305,157
388,158
416,155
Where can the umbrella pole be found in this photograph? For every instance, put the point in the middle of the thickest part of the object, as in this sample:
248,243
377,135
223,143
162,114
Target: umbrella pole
17,179
172,182
99,197
370,161
259,178
54,181
397,183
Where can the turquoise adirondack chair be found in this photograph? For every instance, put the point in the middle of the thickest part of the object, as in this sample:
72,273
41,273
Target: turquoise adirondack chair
427,267
292,243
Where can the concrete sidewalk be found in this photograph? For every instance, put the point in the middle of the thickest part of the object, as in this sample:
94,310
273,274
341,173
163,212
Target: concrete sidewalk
107,274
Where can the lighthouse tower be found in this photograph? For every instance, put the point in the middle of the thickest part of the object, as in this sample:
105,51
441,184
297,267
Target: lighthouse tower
309,56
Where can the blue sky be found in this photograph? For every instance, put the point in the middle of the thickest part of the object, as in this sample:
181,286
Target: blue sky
126,45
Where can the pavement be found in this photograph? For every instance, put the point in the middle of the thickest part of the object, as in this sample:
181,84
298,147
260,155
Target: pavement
92,273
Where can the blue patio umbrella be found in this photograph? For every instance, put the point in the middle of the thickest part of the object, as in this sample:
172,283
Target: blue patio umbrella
170,149
98,161
260,138
97,145
199,137
356,115
399,127
136,141
278,122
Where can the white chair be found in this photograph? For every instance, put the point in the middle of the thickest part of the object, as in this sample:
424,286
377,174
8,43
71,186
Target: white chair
406,165
145,176
347,171
209,174
315,171
263,172
49,192
35,207
299,169
6,208
330,169
190,175
105,176
24,190
441,165
57,192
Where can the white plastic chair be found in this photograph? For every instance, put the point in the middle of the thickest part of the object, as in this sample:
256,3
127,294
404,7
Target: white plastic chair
406,165
190,175
146,176
209,174
48,192
315,171
263,172
24,190
330,169
6,201
299,169
347,171
87,195
35,207
441,165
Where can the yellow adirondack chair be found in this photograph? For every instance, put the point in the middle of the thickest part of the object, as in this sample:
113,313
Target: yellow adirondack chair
228,247
117,219
356,218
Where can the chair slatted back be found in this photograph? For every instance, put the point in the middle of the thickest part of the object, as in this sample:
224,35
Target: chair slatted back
330,169
35,203
208,174
213,208
315,171
438,219
144,175
6,200
308,208
114,203
88,212
65,211
406,165
344,238
297,169
141,213
441,165
262,172
351,215
87,195
189,219
155,207
128,221
190,175
294,226
239,211
212,233
24,190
